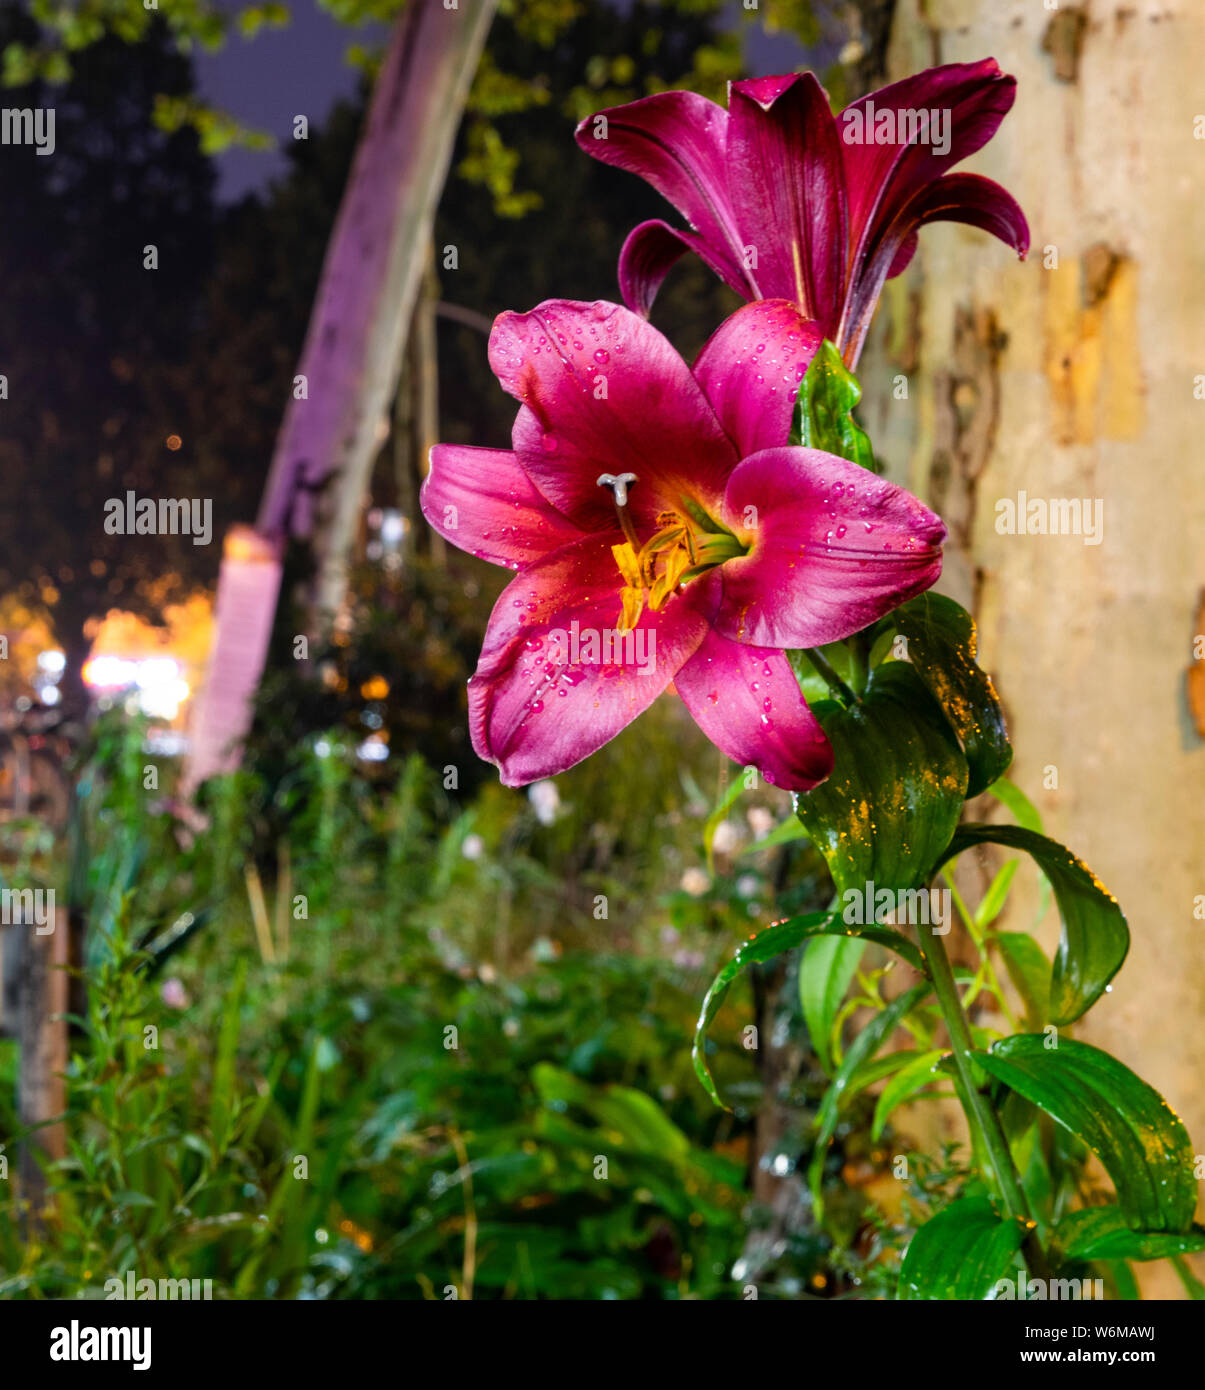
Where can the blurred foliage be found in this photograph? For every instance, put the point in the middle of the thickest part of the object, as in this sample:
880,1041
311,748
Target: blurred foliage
545,32
399,1052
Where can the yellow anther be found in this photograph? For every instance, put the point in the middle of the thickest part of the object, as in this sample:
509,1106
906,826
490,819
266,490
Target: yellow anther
633,606
629,564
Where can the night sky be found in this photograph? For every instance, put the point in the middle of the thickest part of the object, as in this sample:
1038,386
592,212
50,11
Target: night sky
282,73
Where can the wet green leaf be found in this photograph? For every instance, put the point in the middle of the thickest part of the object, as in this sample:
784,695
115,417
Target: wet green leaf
1102,1233
1128,1125
889,808
1095,937
773,941
941,646
823,416
1025,813
961,1252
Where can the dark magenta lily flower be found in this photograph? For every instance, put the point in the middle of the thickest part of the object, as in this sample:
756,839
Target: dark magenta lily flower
786,200
664,533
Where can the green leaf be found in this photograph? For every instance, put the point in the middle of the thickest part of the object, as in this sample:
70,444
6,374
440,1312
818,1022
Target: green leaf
827,967
863,1047
942,645
1095,937
773,941
996,896
903,1085
784,834
734,789
1192,1285
767,944
960,1253
1102,1233
222,1101
1128,1125
132,1199
1029,970
1126,1285
635,1119
822,418
887,811
876,1070
1025,813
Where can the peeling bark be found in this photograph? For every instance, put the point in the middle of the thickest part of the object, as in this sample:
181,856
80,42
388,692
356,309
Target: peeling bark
1072,377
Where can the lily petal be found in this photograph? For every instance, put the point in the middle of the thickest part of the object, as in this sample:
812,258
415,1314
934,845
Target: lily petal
483,502
750,370
786,181
968,198
605,392
675,141
533,709
646,258
748,703
975,200
970,99
835,549
959,105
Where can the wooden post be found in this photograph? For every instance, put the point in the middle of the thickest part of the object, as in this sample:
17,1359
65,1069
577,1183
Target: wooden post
42,1039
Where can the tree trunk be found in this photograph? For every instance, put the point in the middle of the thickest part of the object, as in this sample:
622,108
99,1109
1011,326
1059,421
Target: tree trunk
416,418
42,1051
1072,377
334,425
370,282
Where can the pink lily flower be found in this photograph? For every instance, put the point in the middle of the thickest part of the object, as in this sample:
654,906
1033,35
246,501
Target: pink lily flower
663,532
786,200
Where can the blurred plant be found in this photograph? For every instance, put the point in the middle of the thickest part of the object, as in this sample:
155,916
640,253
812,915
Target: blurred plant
370,1095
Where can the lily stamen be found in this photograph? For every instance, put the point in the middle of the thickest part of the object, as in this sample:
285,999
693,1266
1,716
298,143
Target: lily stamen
618,483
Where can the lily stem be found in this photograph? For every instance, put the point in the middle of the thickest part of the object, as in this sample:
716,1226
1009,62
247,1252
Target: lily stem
831,678
858,647
981,1114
